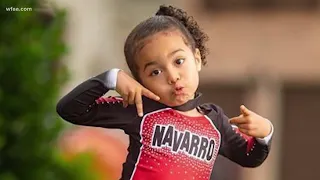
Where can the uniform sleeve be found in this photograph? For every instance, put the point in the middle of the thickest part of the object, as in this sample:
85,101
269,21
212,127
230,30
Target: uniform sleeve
84,105
238,147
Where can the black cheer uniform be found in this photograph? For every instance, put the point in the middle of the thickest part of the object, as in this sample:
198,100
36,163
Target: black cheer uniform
164,144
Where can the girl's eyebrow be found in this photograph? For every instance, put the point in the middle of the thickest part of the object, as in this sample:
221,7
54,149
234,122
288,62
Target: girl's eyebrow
175,51
154,62
149,64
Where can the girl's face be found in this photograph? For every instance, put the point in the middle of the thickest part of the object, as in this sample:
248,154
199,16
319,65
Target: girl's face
169,68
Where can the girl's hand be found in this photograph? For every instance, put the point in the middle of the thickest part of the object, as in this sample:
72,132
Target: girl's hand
251,123
132,91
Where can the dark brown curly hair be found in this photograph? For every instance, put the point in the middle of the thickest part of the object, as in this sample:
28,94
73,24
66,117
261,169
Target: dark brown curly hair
166,18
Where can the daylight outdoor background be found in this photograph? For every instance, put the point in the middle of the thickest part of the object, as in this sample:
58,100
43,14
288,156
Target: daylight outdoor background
265,54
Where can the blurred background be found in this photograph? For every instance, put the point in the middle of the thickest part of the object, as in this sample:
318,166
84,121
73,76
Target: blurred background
263,53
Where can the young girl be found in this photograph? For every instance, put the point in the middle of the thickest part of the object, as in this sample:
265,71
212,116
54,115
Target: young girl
172,135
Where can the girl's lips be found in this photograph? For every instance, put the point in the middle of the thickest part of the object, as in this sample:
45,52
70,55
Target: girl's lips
179,90
177,87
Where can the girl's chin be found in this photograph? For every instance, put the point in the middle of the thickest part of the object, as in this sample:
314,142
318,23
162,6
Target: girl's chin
177,101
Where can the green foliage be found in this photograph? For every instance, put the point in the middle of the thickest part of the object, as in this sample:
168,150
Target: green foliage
30,79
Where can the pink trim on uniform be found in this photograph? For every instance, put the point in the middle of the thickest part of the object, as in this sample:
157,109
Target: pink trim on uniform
110,99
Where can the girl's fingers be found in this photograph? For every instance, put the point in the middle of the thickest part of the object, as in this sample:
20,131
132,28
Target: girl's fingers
125,104
138,101
245,131
238,120
150,94
131,97
125,101
245,126
244,110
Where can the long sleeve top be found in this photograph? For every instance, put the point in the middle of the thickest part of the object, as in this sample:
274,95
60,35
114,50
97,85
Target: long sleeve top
164,144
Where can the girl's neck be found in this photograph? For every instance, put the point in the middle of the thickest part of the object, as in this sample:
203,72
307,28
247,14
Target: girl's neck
192,113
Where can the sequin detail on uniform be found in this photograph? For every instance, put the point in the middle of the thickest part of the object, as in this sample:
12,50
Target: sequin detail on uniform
175,146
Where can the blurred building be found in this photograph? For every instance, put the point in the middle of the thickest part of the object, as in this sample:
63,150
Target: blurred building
265,54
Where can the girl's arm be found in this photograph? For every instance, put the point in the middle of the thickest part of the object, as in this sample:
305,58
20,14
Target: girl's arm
84,105
242,149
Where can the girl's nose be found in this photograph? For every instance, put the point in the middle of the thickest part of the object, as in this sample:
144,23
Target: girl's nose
173,77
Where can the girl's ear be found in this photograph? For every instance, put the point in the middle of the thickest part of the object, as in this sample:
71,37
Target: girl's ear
198,61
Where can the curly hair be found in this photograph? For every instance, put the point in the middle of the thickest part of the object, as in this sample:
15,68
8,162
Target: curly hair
166,18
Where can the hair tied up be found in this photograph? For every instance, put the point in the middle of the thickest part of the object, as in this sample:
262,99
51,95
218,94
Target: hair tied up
192,26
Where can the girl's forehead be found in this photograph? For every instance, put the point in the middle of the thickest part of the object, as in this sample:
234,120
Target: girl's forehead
174,34
162,43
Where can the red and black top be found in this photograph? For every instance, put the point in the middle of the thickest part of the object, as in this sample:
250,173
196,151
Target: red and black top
164,144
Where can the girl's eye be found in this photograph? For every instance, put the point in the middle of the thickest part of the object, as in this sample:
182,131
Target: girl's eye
179,61
155,72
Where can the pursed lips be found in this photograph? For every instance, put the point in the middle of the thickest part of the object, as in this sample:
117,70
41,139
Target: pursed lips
178,90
